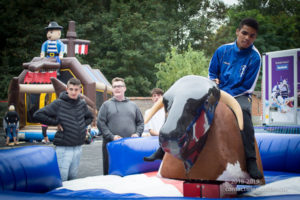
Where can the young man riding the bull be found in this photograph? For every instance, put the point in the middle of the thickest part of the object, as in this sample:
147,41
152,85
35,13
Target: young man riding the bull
235,68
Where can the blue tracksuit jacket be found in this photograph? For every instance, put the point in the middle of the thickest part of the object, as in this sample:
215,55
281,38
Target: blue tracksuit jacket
237,70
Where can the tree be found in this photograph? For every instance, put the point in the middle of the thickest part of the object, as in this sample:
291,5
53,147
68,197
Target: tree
135,35
130,42
177,65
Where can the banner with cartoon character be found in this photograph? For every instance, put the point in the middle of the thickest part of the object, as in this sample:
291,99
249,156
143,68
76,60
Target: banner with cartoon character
281,87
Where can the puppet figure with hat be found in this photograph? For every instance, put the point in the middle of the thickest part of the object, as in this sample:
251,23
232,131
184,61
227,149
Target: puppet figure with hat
53,47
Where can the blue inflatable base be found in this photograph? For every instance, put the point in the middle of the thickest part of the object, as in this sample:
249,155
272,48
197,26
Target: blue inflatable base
88,194
126,156
29,169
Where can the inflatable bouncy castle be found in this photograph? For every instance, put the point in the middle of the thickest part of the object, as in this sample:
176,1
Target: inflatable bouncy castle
33,88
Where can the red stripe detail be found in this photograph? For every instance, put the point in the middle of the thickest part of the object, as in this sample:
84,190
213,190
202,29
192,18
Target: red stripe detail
86,49
79,48
200,125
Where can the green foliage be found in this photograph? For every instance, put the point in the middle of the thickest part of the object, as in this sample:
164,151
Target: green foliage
135,35
178,65
3,110
133,45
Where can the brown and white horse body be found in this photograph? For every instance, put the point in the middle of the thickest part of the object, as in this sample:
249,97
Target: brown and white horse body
222,157
219,151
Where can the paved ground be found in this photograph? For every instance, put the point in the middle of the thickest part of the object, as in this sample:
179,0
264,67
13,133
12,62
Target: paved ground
91,158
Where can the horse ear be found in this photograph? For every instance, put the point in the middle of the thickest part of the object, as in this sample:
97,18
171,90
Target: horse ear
235,106
156,107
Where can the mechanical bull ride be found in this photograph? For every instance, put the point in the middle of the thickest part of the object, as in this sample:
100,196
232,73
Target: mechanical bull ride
201,135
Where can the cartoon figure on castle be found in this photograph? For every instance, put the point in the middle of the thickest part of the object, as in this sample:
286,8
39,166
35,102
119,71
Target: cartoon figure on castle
53,47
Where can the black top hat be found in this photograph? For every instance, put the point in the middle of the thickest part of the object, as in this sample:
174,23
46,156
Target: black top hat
53,25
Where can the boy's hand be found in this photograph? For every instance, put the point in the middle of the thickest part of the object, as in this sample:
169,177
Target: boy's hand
217,81
135,135
117,137
59,127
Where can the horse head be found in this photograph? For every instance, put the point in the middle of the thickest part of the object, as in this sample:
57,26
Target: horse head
190,104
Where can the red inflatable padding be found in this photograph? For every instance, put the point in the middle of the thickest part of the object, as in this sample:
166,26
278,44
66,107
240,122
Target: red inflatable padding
39,77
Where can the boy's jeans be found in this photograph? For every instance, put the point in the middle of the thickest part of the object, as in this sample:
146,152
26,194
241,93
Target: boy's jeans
68,159
11,130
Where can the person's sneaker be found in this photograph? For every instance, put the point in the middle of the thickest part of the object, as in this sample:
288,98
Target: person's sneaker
43,141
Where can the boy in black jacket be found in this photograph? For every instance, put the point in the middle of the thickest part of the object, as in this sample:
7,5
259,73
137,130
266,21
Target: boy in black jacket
70,113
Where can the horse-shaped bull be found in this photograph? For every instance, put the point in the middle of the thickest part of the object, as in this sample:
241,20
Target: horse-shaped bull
201,134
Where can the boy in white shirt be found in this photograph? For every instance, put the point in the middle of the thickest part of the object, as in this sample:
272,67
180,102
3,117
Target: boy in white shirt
156,122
